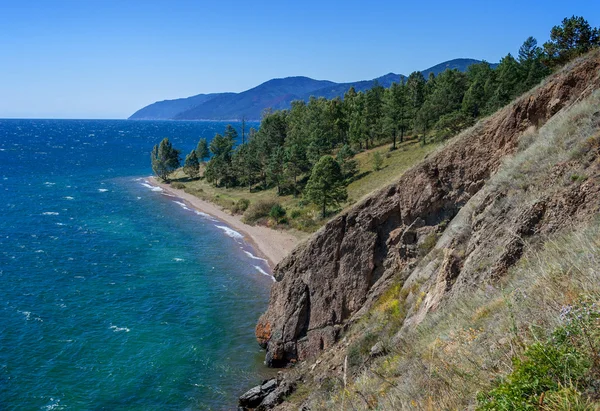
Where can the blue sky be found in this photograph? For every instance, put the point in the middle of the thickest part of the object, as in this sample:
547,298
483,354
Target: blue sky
106,59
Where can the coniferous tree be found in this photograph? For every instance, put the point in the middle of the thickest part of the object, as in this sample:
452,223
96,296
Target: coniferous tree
571,39
348,164
508,80
532,66
415,85
395,111
165,159
374,112
230,133
325,186
357,129
479,91
276,169
202,150
191,166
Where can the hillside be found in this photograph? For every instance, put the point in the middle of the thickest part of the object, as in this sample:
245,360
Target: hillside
168,109
419,296
275,94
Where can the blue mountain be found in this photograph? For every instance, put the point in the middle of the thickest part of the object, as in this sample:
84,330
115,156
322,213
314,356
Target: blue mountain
275,94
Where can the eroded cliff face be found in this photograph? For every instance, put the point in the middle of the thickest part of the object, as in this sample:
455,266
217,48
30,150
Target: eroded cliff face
344,266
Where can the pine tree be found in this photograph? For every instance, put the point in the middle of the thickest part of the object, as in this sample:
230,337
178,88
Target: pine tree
275,169
573,38
165,159
325,186
348,164
191,165
202,150
395,111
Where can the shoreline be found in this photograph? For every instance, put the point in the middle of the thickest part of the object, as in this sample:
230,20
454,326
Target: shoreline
272,244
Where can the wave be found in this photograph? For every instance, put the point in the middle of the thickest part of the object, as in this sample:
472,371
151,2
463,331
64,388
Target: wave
263,272
151,187
68,198
249,254
103,190
183,205
208,216
230,232
118,329
178,259
49,213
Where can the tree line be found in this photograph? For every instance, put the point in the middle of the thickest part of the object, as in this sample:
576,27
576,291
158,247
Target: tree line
294,150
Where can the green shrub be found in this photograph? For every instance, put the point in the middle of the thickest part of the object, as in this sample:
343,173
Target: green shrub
359,350
277,212
377,161
295,213
240,206
259,210
177,185
562,368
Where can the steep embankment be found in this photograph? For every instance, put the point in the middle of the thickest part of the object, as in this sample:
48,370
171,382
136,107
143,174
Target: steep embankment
353,259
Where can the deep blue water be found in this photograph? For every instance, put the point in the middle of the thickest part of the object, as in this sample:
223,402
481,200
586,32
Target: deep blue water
112,295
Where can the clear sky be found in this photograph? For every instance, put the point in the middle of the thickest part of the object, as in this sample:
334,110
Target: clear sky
108,58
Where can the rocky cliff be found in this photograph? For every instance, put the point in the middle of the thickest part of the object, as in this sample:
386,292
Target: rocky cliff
335,275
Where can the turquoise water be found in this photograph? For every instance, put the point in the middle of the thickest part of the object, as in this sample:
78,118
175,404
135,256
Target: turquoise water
114,295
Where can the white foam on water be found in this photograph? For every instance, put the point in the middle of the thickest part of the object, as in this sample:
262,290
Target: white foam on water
119,329
103,190
54,404
263,272
151,187
27,314
69,198
168,195
178,259
231,233
182,205
208,216
39,251
249,254
48,183
50,213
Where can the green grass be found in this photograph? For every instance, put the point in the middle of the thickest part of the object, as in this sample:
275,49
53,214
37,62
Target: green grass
395,163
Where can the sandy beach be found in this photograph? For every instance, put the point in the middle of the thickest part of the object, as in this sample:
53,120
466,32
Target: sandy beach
274,245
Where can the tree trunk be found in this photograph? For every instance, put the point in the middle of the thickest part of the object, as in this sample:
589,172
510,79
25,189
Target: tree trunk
323,212
394,138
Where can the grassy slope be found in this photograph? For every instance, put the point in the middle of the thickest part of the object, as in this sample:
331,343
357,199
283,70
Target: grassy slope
461,350
307,217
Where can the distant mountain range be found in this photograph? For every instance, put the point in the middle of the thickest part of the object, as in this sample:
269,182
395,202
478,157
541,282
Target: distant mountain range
275,94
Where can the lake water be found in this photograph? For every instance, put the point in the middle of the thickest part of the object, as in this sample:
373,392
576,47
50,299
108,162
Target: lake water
114,295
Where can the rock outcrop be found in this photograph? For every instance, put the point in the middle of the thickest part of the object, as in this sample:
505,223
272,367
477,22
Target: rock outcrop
267,395
328,279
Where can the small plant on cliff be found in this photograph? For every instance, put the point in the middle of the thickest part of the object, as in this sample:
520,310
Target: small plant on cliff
165,159
562,368
325,187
